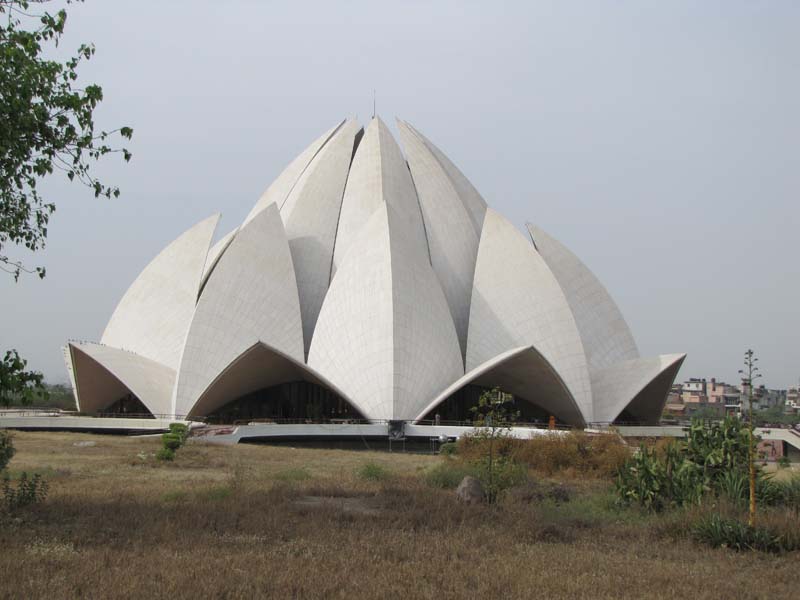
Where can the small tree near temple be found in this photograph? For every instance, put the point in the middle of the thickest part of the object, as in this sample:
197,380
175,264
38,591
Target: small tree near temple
493,417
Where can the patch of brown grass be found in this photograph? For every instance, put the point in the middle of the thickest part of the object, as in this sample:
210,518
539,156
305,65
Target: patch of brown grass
220,522
574,454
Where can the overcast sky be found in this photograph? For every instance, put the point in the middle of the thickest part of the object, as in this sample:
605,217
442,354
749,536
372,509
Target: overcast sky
659,141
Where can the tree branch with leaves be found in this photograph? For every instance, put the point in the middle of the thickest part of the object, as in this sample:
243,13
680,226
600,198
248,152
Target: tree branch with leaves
46,125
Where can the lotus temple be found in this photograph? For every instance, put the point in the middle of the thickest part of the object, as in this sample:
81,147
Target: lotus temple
368,282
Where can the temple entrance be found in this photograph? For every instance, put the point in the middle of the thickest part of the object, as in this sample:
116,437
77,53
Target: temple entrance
456,407
127,406
294,401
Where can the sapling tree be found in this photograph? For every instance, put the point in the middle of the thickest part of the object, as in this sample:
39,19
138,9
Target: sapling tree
749,375
493,417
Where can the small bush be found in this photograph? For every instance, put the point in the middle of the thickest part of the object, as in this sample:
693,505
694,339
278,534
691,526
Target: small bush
171,441
448,449
165,454
373,472
504,474
27,491
449,473
718,531
179,429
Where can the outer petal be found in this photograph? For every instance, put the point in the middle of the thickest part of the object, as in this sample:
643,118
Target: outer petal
258,367
384,335
525,373
378,175
516,301
310,214
104,374
279,190
251,296
639,386
153,316
605,335
452,235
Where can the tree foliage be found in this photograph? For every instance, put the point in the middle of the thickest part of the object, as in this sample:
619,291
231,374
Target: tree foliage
18,386
46,125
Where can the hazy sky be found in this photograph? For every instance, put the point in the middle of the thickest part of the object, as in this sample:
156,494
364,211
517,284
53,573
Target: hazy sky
659,141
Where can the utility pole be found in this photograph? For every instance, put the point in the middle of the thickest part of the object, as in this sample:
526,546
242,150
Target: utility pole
749,373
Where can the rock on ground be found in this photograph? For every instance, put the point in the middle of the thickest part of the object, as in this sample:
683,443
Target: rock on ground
470,491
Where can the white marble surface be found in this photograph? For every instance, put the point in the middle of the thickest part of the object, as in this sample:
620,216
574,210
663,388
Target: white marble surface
384,334
105,374
153,316
251,296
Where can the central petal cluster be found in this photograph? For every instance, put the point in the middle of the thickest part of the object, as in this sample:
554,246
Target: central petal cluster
382,278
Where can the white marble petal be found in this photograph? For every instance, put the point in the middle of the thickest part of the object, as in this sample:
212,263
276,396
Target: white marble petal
280,189
516,301
452,236
378,175
524,372
311,214
257,368
215,253
104,374
641,385
472,200
384,335
251,296
606,337
153,316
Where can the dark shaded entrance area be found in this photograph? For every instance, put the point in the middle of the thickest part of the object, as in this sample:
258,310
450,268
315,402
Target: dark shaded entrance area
296,401
456,407
128,405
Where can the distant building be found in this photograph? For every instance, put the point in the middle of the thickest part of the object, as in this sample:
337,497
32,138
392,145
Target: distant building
793,399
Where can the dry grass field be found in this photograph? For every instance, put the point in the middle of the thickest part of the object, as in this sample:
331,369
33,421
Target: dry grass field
264,521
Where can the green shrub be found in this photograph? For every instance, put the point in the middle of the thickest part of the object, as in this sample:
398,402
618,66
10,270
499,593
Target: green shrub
373,472
449,473
165,454
6,448
718,531
27,491
503,475
735,486
713,459
656,483
448,449
172,441
784,462
179,429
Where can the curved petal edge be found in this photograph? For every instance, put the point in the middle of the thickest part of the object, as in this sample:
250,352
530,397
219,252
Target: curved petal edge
639,386
153,316
103,374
